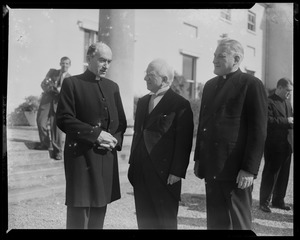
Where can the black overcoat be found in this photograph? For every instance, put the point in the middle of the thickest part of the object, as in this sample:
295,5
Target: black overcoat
168,136
232,127
85,108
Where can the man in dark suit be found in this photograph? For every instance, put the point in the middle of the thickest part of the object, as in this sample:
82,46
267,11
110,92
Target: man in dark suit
91,113
51,86
160,151
230,139
278,148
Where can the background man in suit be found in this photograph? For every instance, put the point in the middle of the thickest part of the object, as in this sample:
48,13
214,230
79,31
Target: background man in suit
230,139
278,148
51,86
91,113
161,145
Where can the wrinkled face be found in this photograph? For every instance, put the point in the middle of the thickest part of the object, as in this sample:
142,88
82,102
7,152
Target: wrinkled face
153,80
224,61
65,64
100,62
285,92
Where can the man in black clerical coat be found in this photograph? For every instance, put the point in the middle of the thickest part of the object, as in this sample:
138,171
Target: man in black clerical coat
278,148
230,140
91,113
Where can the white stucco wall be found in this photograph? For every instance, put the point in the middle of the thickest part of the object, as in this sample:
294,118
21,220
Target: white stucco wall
161,33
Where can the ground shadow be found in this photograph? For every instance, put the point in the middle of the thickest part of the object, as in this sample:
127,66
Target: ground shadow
276,223
193,202
29,144
274,216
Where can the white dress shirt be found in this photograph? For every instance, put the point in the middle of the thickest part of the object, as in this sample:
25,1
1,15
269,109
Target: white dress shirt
156,97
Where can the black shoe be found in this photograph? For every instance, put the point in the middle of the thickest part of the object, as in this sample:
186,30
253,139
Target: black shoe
41,147
58,157
281,206
265,208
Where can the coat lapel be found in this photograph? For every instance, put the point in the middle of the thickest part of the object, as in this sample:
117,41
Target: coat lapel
160,107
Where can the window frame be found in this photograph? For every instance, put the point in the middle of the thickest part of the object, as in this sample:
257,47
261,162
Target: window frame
225,14
251,21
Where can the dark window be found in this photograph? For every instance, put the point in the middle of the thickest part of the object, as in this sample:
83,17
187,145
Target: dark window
251,21
189,73
90,37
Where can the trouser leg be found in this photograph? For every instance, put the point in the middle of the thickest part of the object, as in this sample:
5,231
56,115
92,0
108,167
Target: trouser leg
85,217
77,217
96,217
145,210
269,177
42,122
228,207
280,188
56,135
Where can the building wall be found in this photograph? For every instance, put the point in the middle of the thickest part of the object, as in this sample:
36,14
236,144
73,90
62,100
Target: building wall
38,38
162,33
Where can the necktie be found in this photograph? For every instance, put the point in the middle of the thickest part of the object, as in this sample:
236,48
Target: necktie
60,79
152,103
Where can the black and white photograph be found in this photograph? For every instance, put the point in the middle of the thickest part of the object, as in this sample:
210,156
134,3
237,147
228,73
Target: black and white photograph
159,118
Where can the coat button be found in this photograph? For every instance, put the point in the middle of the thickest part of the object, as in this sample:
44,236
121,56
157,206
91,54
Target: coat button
103,99
204,129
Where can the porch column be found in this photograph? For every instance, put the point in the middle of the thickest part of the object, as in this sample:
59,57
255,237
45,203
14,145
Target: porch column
116,29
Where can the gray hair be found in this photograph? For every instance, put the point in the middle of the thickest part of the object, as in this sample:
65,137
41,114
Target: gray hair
163,69
233,46
100,46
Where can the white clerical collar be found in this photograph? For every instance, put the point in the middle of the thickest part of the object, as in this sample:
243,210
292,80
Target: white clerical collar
161,90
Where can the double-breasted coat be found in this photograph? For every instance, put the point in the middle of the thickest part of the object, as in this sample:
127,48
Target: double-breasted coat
232,127
168,134
85,108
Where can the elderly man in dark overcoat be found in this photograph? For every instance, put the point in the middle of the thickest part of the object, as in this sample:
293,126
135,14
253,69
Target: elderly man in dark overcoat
160,151
230,138
91,113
